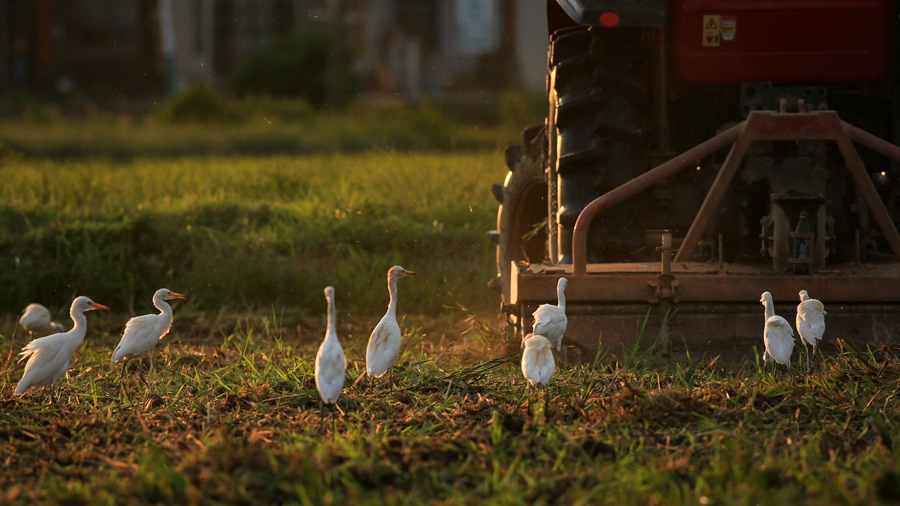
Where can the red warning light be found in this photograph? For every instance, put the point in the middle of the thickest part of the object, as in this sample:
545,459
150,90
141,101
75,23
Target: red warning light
609,19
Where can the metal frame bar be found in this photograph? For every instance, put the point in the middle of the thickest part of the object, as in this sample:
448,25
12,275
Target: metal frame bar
759,125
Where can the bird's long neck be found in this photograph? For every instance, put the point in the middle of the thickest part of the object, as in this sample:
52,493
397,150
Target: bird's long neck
80,329
561,295
770,307
165,311
392,288
331,329
163,306
78,318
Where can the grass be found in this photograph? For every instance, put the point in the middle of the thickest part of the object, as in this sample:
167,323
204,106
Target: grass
264,126
249,233
233,417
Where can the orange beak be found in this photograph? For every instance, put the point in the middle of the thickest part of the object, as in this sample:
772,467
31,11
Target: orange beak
99,306
176,295
410,273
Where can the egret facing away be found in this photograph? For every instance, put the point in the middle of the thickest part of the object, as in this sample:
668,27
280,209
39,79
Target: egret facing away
384,343
37,320
549,320
143,333
810,323
330,361
538,365
49,357
778,334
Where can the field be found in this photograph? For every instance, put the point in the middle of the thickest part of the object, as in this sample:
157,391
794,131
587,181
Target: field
230,413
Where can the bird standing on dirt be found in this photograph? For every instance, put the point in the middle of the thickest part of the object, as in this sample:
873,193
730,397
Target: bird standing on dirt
384,343
810,323
549,320
777,335
37,320
538,365
330,361
143,333
49,357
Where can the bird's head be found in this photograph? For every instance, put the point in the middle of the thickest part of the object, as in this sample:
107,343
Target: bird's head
803,295
764,296
562,283
397,272
329,293
534,340
83,304
166,294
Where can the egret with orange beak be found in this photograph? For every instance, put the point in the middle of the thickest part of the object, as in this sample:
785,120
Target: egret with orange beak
49,357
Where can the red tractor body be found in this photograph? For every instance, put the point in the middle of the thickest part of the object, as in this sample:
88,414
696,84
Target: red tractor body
697,153
790,41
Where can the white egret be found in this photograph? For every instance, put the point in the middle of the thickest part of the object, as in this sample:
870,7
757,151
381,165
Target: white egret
143,333
49,357
777,335
330,360
37,320
538,365
810,323
549,320
384,343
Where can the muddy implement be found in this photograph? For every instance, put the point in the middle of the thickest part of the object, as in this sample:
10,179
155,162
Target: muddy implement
712,307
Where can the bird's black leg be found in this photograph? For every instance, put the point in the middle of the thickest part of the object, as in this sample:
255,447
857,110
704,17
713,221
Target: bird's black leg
333,420
528,398
546,400
141,375
52,394
122,374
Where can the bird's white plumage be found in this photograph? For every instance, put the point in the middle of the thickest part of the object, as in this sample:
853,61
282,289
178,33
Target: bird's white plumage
810,319
37,320
538,365
143,333
550,321
778,335
330,360
49,357
384,343
779,339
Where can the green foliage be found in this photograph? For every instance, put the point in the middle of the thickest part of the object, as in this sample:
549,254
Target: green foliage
252,125
249,232
295,66
197,103
519,109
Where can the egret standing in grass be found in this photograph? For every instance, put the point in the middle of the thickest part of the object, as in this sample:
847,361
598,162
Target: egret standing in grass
330,360
37,320
550,321
538,365
810,323
49,357
777,335
384,343
143,333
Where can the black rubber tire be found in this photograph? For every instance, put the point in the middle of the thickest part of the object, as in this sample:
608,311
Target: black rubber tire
596,128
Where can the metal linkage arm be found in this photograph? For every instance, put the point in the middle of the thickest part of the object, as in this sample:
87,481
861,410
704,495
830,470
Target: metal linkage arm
760,125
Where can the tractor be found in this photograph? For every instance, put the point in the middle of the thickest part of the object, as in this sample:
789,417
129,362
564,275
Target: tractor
697,153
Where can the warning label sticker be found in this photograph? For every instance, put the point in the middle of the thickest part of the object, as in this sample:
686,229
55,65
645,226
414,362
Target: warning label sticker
728,27
711,28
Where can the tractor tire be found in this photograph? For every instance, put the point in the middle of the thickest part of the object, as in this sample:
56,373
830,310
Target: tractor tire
596,102
522,210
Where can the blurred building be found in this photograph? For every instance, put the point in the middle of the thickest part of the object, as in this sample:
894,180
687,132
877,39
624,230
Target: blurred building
141,47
